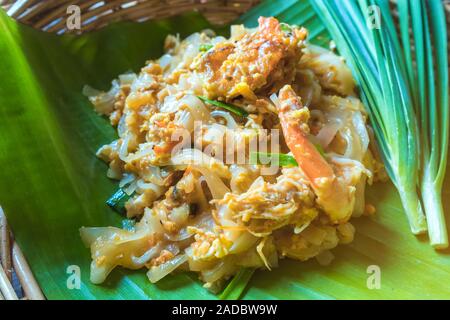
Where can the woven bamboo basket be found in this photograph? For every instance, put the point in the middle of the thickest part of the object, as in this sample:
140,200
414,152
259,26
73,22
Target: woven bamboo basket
16,278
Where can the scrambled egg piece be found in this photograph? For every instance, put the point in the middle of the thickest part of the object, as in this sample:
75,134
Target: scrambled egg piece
255,62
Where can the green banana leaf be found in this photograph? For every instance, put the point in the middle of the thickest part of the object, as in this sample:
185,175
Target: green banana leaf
51,183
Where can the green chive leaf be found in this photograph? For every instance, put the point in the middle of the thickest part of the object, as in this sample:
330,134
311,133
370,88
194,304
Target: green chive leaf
227,106
205,47
117,201
278,159
237,285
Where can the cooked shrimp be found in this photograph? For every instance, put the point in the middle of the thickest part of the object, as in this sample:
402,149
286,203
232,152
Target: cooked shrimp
334,194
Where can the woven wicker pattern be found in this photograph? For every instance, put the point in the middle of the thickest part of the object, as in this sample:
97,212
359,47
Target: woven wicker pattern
49,15
14,269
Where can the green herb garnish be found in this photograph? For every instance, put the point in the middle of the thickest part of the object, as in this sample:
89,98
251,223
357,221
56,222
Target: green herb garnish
205,47
227,106
287,28
278,159
117,200
237,285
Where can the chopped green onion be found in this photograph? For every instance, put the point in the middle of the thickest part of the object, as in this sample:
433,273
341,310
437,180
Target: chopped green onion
237,285
227,106
117,201
286,27
128,224
280,159
205,47
407,102
431,103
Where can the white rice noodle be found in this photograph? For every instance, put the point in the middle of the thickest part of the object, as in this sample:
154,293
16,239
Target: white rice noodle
122,127
231,123
114,173
102,101
243,242
151,253
200,196
215,184
165,60
184,119
353,149
198,158
193,38
153,174
327,133
361,130
221,270
144,81
301,228
127,78
236,181
117,245
173,248
214,134
196,264
131,188
224,215
180,215
354,132
157,190
145,149
127,179
195,83
123,150
182,235
217,40
196,107
237,31
90,235
151,222
157,273
170,104
100,272
360,201
350,162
